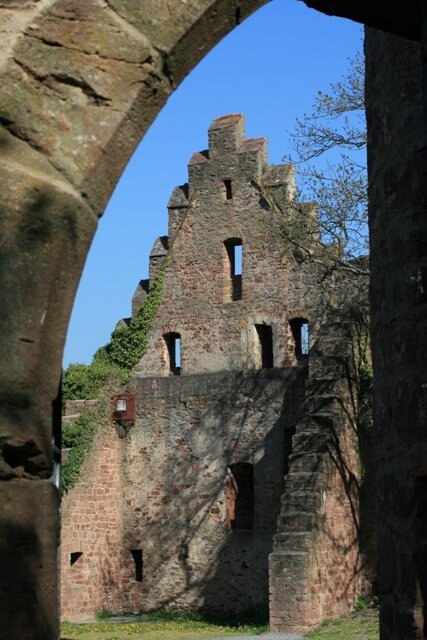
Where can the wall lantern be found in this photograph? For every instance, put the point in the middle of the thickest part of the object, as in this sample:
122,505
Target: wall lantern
124,410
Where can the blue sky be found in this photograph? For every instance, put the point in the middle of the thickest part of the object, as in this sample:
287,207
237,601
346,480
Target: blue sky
269,68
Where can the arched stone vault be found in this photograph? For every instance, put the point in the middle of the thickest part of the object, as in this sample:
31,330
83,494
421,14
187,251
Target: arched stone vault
80,84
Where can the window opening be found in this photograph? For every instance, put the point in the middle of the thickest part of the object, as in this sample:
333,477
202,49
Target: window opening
238,258
235,255
300,333
74,556
173,343
240,496
265,337
138,562
304,339
228,190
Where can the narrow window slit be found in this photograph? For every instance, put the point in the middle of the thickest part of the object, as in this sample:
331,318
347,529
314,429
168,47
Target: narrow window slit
228,190
300,334
138,563
240,496
234,249
265,340
173,344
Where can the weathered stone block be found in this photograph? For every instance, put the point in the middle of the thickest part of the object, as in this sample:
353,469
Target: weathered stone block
28,544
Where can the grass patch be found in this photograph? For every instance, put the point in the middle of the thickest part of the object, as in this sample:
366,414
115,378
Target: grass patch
189,625
162,625
361,626
154,630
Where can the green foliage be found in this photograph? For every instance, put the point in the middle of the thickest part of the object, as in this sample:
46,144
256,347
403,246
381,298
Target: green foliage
256,617
111,366
362,625
104,614
78,436
84,381
166,624
115,359
361,603
129,344
169,615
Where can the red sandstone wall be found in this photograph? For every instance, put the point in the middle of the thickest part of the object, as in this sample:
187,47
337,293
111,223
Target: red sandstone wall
91,524
337,552
315,568
190,428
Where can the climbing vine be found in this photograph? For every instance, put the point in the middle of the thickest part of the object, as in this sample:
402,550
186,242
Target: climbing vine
116,359
128,345
77,435
111,367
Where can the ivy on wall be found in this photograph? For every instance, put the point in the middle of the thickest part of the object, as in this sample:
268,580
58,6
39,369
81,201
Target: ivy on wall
128,344
116,359
77,435
110,368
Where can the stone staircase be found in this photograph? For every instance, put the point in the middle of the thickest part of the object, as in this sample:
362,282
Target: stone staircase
296,599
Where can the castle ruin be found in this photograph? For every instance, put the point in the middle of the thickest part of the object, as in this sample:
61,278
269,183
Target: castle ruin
238,482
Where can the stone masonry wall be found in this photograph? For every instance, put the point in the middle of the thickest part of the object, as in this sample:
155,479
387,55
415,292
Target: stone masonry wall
91,526
162,491
316,565
218,333
398,226
241,390
188,433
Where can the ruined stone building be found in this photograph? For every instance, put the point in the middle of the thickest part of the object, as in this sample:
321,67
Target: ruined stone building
238,481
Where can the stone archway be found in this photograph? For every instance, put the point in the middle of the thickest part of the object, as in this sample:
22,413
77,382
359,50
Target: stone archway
80,85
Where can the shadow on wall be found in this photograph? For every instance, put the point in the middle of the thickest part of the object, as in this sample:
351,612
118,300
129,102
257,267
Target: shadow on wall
238,581
23,606
194,557
243,558
351,456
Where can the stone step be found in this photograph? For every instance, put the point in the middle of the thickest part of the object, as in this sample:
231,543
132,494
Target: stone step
303,481
318,386
296,521
310,441
328,368
301,541
288,566
307,501
321,402
70,417
306,462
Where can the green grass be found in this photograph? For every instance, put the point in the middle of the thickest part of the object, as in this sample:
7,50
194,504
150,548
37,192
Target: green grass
176,625
361,626
160,625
